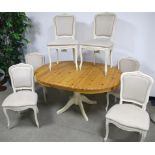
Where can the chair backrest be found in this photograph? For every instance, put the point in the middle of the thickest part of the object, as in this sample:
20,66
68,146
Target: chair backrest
135,88
21,77
104,25
64,26
35,59
128,65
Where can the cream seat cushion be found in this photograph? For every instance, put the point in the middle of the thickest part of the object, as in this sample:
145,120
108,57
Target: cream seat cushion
99,42
21,98
63,42
129,115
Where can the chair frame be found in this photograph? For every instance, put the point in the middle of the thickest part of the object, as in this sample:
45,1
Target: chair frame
143,105
21,108
114,94
59,48
43,62
97,49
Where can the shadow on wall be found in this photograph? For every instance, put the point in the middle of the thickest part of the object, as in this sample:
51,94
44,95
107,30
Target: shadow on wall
32,34
125,36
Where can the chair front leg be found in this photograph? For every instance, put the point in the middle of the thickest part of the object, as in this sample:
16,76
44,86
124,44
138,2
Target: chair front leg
106,65
49,56
107,130
76,56
7,116
58,51
44,94
143,136
35,109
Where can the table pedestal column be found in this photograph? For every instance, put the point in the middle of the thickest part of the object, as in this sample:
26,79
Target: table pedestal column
77,99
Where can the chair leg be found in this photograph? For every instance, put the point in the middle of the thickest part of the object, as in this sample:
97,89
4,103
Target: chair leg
115,99
76,55
83,111
35,109
7,117
50,61
94,56
58,50
106,65
81,58
107,96
107,130
44,94
111,64
143,136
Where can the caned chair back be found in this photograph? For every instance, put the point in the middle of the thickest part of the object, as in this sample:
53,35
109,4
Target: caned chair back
104,25
35,59
135,88
21,77
64,26
128,65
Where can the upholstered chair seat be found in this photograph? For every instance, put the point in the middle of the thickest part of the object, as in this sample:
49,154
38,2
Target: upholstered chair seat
130,116
63,42
21,98
99,42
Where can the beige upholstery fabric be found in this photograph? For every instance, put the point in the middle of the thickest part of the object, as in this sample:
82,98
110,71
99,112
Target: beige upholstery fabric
99,42
35,59
21,77
135,88
128,65
104,24
21,98
64,25
63,42
129,115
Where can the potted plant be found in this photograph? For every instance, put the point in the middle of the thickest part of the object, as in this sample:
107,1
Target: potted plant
13,27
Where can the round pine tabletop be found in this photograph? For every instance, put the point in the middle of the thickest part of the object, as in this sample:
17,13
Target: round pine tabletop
90,80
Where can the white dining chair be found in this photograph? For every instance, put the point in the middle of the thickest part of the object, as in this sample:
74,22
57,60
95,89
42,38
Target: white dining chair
103,28
131,115
36,60
124,65
64,28
23,96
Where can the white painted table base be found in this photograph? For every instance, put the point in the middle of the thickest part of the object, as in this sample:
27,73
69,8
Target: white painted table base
77,99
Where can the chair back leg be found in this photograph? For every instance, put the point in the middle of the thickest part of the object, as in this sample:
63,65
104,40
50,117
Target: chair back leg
107,96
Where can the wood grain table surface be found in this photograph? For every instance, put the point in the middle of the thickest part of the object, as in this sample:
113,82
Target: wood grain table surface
90,80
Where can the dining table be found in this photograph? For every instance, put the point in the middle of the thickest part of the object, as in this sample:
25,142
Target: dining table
90,80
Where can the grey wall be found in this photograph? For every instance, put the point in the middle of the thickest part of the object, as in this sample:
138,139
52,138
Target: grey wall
134,36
